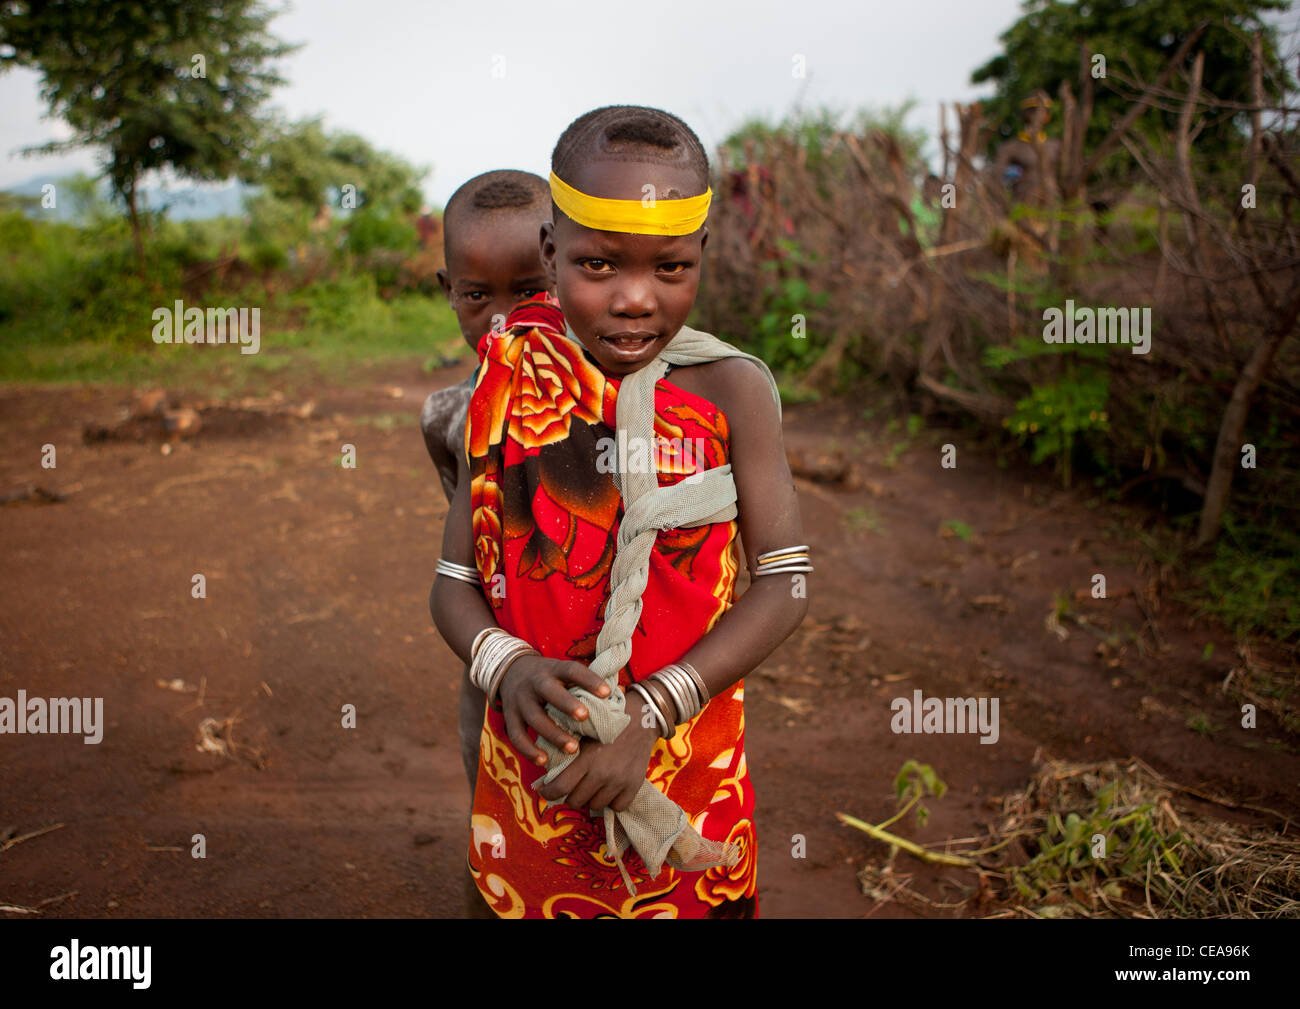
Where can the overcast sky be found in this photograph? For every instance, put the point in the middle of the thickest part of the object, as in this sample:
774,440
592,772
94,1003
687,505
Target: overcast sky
465,87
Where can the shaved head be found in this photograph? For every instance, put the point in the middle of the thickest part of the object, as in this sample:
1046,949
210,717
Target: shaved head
487,200
633,133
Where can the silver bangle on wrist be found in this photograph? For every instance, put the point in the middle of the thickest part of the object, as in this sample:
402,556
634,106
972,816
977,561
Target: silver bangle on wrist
700,685
500,674
673,685
683,685
658,715
664,705
493,651
478,641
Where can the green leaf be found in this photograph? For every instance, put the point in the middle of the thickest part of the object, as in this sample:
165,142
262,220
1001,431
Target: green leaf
960,529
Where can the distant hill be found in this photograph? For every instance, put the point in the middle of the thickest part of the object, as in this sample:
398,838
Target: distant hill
183,201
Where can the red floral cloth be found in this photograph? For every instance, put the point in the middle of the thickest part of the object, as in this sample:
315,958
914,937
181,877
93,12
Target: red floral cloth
545,528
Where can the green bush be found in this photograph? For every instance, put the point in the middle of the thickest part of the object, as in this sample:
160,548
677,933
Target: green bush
369,230
73,308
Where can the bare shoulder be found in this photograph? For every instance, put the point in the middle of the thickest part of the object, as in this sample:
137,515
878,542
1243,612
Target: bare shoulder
736,384
742,381
442,422
444,408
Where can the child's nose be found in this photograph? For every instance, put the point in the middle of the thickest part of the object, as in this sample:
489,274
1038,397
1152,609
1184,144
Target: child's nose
633,297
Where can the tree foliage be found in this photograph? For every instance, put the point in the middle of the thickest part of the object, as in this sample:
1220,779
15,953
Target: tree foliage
302,163
308,174
163,83
1137,39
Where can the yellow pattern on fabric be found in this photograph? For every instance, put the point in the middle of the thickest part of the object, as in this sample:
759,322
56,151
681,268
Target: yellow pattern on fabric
500,763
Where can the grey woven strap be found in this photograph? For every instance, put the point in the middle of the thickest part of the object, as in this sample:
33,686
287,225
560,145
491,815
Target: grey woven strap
654,825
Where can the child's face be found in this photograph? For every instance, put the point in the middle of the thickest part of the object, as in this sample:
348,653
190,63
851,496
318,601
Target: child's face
491,270
612,283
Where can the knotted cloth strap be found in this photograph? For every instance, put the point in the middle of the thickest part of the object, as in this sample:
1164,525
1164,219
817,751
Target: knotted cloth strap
654,825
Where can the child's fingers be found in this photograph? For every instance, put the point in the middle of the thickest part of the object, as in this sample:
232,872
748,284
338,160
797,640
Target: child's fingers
605,796
580,795
624,799
580,675
517,735
567,780
555,692
541,721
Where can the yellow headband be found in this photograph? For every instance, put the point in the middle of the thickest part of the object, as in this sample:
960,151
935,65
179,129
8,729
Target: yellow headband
661,217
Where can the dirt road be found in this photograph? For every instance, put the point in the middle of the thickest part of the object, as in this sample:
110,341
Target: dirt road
317,579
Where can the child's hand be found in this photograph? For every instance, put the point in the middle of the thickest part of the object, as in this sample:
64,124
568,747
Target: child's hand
605,774
531,682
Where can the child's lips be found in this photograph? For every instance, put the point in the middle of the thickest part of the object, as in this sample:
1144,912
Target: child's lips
629,345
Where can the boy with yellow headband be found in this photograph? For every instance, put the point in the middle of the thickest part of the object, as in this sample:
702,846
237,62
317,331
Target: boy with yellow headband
602,622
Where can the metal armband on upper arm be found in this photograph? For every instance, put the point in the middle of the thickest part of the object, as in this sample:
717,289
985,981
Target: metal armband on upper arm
785,560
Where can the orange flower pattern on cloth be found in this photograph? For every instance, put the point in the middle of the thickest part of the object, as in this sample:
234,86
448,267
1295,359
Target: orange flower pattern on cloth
545,525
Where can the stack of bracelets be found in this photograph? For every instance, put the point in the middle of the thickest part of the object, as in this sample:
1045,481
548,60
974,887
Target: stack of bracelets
494,648
493,651
787,560
678,689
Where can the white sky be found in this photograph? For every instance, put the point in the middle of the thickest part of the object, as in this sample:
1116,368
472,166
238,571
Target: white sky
416,76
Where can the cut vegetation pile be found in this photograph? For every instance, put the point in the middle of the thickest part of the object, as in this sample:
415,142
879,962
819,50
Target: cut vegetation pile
1165,856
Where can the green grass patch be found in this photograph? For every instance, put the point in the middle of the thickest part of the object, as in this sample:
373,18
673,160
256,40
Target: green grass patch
324,333
1252,581
72,310
388,422
863,518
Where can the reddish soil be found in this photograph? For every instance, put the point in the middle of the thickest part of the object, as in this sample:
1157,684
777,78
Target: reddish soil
317,585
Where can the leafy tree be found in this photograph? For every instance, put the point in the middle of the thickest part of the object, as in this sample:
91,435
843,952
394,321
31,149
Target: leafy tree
307,172
1137,38
16,202
302,163
162,83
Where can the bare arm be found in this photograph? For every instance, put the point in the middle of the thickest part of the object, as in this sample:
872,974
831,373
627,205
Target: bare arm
460,612
770,609
458,608
435,421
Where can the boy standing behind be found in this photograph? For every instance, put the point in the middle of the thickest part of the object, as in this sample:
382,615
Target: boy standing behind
491,228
